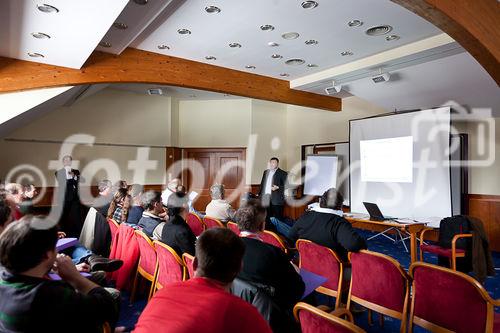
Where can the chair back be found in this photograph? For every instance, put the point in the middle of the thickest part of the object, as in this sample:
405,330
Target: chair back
195,223
447,299
314,320
189,263
233,227
170,265
322,261
210,222
270,237
148,260
113,227
379,283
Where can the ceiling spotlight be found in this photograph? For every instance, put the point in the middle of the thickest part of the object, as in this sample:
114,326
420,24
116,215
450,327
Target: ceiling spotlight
164,47
141,2
233,45
120,25
334,89
379,30
312,65
36,55
266,27
284,74
212,9
392,37
295,62
355,23
40,35
290,35
105,44
273,44
184,31
346,53
276,56
210,58
47,8
155,91
250,67
309,4
311,42
381,77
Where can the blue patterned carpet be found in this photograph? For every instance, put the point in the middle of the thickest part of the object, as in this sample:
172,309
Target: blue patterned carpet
130,312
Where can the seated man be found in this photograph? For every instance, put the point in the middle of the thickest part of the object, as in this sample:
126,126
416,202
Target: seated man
14,193
326,226
171,188
151,220
29,192
219,208
203,303
33,303
102,202
264,263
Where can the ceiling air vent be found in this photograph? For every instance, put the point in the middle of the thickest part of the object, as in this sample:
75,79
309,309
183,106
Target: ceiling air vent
379,30
155,91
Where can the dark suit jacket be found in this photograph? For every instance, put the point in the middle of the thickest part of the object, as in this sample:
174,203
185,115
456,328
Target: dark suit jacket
71,192
179,236
266,264
279,179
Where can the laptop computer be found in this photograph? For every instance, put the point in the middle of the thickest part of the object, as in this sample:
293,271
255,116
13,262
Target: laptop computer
375,213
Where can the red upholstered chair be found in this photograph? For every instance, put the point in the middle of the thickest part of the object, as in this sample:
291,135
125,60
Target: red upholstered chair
314,320
452,254
270,237
148,263
113,227
379,283
233,227
445,300
170,265
188,262
195,223
325,262
210,222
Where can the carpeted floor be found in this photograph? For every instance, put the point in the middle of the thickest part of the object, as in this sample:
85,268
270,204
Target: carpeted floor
130,312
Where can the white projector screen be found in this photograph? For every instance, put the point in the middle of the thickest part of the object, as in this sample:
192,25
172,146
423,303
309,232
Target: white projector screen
321,173
401,163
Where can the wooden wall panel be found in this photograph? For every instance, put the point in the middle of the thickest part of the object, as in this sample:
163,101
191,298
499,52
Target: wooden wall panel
487,209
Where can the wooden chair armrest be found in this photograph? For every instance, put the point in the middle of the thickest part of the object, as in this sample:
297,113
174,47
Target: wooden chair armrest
457,237
496,302
422,233
343,313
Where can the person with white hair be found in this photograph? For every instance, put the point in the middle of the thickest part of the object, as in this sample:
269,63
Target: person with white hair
172,186
219,208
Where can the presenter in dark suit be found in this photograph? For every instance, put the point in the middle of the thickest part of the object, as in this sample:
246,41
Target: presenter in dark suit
272,189
68,196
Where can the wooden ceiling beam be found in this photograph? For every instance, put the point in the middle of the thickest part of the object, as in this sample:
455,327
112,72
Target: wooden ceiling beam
137,66
474,24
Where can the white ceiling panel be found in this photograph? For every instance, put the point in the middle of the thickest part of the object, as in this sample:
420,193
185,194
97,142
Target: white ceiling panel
75,30
240,21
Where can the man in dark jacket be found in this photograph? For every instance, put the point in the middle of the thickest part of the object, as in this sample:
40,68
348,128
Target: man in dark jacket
326,226
68,180
272,189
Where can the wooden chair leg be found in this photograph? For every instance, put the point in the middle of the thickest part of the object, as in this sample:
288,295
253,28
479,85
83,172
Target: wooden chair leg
134,288
370,318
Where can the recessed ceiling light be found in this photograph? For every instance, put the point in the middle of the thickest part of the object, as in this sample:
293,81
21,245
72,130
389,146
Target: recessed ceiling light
141,2
392,37
120,25
36,55
290,35
312,65
192,95
212,9
250,67
294,62
105,44
164,47
266,27
155,91
233,45
379,30
346,53
284,74
273,44
47,8
276,56
210,58
40,35
309,4
184,31
311,42
355,23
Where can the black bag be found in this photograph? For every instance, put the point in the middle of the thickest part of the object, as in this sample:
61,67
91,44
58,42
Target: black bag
449,227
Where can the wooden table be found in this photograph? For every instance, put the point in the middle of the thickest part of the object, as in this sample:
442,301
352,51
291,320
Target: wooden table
411,228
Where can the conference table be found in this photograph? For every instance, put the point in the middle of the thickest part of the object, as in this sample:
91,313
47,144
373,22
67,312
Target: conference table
411,229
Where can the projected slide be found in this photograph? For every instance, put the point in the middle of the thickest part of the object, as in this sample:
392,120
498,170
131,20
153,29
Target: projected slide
387,160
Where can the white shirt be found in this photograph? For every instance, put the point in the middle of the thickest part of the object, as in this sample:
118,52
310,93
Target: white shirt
327,210
68,172
269,181
219,209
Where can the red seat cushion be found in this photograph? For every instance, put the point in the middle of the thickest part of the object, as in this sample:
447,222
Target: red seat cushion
320,260
170,267
496,323
194,222
312,323
440,251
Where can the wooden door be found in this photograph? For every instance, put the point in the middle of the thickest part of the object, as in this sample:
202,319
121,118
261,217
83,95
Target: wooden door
220,165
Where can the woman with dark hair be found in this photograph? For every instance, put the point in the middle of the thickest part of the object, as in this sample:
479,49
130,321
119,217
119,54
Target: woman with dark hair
120,205
176,233
135,212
